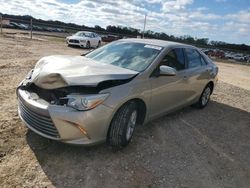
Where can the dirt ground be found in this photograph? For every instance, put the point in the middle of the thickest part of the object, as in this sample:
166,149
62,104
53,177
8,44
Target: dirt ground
188,148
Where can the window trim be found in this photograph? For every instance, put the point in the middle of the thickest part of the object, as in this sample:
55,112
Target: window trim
154,74
203,60
204,57
185,65
201,56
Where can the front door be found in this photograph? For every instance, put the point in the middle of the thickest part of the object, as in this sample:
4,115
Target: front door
170,92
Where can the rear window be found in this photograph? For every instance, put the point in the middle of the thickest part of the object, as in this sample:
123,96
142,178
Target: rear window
194,58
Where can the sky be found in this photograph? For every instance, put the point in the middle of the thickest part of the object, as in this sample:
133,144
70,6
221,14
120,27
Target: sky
221,20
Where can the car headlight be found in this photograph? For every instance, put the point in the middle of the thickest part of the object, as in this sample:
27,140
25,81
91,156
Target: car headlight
82,40
87,102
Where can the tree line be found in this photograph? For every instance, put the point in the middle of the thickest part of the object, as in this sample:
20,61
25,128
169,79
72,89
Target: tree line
132,32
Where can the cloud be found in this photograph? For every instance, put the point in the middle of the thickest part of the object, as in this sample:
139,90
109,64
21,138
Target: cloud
199,15
242,16
173,5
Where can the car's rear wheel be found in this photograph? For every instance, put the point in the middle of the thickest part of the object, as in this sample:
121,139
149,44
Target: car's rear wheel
205,97
123,125
88,45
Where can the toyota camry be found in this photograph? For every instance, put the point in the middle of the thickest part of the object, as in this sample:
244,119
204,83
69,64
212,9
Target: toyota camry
105,94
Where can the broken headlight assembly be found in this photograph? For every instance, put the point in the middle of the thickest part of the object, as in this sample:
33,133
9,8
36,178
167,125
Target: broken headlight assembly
87,102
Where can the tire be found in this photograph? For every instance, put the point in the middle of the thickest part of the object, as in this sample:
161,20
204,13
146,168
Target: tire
123,125
205,97
88,45
99,44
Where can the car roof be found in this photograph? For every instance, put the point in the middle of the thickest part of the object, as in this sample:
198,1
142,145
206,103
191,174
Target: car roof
156,42
84,32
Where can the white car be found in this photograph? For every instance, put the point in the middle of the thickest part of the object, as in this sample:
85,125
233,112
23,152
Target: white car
84,39
238,57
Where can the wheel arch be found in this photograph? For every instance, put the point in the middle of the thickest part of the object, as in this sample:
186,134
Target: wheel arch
141,117
141,107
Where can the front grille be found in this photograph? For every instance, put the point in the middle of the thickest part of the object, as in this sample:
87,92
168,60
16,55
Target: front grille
73,41
37,121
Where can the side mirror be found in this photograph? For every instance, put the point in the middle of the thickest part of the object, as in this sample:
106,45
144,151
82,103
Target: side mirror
167,71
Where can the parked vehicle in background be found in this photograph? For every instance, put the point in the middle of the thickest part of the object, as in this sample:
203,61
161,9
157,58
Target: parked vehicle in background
52,29
217,53
229,55
110,38
18,25
207,51
247,58
84,39
238,57
106,94
38,28
226,54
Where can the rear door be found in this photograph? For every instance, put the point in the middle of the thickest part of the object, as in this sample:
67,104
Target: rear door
197,73
170,92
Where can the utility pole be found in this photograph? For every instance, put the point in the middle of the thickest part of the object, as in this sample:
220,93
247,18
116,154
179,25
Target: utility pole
31,28
144,26
1,20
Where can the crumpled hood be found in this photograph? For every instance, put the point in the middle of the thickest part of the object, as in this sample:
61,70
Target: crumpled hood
60,71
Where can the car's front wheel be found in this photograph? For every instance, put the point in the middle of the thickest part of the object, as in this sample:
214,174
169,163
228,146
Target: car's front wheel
122,126
88,45
99,44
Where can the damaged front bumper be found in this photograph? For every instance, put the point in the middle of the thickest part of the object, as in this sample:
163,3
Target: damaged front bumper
63,123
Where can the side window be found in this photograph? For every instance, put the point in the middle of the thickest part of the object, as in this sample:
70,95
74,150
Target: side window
89,35
194,58
175,59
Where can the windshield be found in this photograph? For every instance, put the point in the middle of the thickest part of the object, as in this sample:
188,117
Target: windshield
129,55
82,34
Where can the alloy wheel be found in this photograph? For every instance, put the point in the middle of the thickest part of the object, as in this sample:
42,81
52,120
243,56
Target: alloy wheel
205,96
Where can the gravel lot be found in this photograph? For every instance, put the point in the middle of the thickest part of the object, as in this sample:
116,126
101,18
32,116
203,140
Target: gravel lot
188,148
